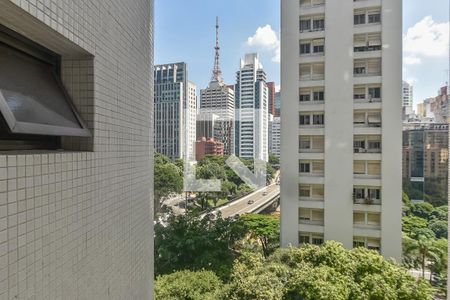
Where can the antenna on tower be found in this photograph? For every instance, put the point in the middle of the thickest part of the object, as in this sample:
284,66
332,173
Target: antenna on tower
217,72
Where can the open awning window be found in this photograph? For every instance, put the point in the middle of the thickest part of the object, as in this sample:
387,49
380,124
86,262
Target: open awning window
32,97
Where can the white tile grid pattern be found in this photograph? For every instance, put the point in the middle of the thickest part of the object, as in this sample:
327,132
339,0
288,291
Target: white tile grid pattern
77,225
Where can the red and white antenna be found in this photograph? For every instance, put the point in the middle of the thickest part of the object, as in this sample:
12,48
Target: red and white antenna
217,72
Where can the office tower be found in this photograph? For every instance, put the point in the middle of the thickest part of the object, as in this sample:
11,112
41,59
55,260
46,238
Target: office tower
218,99
78,222
425,161
275,136
175,111
277,104
252,110
341,147
407,99
271,96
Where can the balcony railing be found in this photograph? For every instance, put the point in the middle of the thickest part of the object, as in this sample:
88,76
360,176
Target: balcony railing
367,201
364,99
368,226
364,150
311,199
312,77
367,48
311,222
362,72
311,174
311,4
311,150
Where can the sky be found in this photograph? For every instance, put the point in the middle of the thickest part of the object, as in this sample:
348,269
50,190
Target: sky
185,31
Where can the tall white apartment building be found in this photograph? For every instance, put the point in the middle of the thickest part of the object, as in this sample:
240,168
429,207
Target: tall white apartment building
407,99
252,104
341,152
76,217
275,136
175,111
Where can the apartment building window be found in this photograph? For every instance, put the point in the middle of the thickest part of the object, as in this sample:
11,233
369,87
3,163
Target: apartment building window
318,46
359,243
359,19
305,119
360,68
317,241
319,95
318,119
359,167
35,108
305,48
374,17
305,25
374,145
317,191
374,194
305,97
374,168
304,191
359,93
305,143
304,239
358,145
319,24
359,193
305,168
359,118
375,93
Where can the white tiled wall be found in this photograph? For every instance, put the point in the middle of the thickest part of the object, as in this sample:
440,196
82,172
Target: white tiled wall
78,225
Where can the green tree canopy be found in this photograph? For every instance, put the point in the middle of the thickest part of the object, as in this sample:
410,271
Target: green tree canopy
265,229
194,243
422,210
322,273
188,285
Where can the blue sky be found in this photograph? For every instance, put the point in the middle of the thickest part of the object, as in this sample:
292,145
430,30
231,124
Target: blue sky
184,31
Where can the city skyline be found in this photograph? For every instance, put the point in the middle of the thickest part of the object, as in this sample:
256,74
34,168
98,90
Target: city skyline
259,31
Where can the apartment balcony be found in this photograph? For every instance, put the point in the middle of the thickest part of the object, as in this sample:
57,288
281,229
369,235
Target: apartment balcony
359,4
311,222
370,154
319,155
366,103
367,54
373,208
312,203
367,130
311,83
311,228
311,106
362,72
311,130
312,7
367,201
312,58
308,178
312,33
367,28
367,180
367,231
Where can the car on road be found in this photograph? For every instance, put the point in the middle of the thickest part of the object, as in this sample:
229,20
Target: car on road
250,201
264,193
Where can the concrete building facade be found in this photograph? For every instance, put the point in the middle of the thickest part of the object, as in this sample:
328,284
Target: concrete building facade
341,123
275,136
208,146
76,218
252,118
175,111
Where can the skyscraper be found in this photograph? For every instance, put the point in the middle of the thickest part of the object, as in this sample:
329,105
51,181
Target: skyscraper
407,99
342,128
175,111
271,95
252,109
275,136
218,100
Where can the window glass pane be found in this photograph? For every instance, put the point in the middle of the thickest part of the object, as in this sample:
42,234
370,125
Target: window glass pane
317,191
359,167
374,168
359,218
304,191
33,95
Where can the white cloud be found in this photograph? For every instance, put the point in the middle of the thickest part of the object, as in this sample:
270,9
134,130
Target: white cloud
266,39
412,60
426,38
